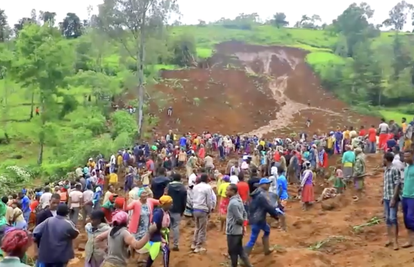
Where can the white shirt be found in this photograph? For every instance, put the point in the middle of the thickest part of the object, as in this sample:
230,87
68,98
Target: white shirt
87,196
45,199
113,160
75,198
192,179
383,128
273,171
203,197
234,179
397,163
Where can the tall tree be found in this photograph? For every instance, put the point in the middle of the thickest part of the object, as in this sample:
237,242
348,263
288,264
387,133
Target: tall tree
43,60
279,20
122,19
20,24
4,27
48,18
398,16
71,26
353,24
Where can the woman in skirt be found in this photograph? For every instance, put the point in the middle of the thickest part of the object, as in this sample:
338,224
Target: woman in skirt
307,194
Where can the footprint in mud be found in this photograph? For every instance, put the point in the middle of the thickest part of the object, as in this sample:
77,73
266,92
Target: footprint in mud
300,223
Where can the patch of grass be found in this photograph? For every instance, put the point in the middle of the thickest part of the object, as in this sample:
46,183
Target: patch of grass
204,52
371,222
329,240
390,114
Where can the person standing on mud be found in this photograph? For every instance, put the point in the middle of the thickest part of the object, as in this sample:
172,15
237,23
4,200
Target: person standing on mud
259,207
236,222
408,197
392,181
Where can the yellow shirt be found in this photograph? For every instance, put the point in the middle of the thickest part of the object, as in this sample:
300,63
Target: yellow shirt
113,178
119,160
92,164
223,188
404,127
262,143
196,141
346,134
330,142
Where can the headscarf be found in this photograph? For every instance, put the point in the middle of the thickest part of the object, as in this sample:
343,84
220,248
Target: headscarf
15,242
166,199
121,217
226,178
119,202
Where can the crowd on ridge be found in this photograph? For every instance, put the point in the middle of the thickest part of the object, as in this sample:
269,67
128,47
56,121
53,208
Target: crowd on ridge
136,217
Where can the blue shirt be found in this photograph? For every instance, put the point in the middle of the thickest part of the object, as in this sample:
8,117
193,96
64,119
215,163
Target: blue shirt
25,204
348,157
282,186
183,141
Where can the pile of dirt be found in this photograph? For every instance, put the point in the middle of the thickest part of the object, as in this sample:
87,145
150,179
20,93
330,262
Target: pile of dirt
217,100
250,89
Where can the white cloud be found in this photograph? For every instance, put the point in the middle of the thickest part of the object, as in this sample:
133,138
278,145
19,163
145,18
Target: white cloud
208,10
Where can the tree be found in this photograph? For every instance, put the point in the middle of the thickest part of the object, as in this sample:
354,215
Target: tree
41,63
122,19
353,24
4,27
308,22
48,17
279,20
71,26
398,16
20,24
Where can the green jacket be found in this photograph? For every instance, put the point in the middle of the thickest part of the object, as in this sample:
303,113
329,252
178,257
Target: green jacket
12,262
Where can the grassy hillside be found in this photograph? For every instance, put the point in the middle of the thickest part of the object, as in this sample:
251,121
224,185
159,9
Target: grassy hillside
64,135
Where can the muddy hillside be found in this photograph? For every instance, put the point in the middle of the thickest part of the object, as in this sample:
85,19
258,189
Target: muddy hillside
250,89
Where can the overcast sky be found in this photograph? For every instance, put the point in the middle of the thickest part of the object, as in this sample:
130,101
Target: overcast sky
208,10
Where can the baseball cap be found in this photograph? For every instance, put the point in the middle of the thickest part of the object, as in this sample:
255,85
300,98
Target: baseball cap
265,181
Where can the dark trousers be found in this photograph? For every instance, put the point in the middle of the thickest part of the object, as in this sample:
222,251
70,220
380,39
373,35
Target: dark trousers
235,249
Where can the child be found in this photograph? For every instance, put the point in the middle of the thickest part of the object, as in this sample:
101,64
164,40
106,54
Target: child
339,183
94,250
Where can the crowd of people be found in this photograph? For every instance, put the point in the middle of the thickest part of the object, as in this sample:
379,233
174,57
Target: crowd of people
184,176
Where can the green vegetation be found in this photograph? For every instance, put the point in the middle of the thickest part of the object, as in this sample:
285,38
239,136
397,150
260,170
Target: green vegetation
74,71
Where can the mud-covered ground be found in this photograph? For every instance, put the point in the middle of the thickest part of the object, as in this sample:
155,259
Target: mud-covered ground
324,236
265,91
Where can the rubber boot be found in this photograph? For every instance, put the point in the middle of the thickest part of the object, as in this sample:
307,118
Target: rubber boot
266,245
242,258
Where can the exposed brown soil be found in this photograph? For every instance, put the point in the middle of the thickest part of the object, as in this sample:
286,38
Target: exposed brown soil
218,100
268,95
249,89
306,231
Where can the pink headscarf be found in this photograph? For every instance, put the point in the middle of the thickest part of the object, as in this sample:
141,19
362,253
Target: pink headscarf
121,217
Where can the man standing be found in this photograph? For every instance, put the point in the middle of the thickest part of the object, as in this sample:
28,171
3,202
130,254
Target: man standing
55,237
25,203
178,193
159,183
236,222
392,181
408,197
49,211
258,208
203,204
75,203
